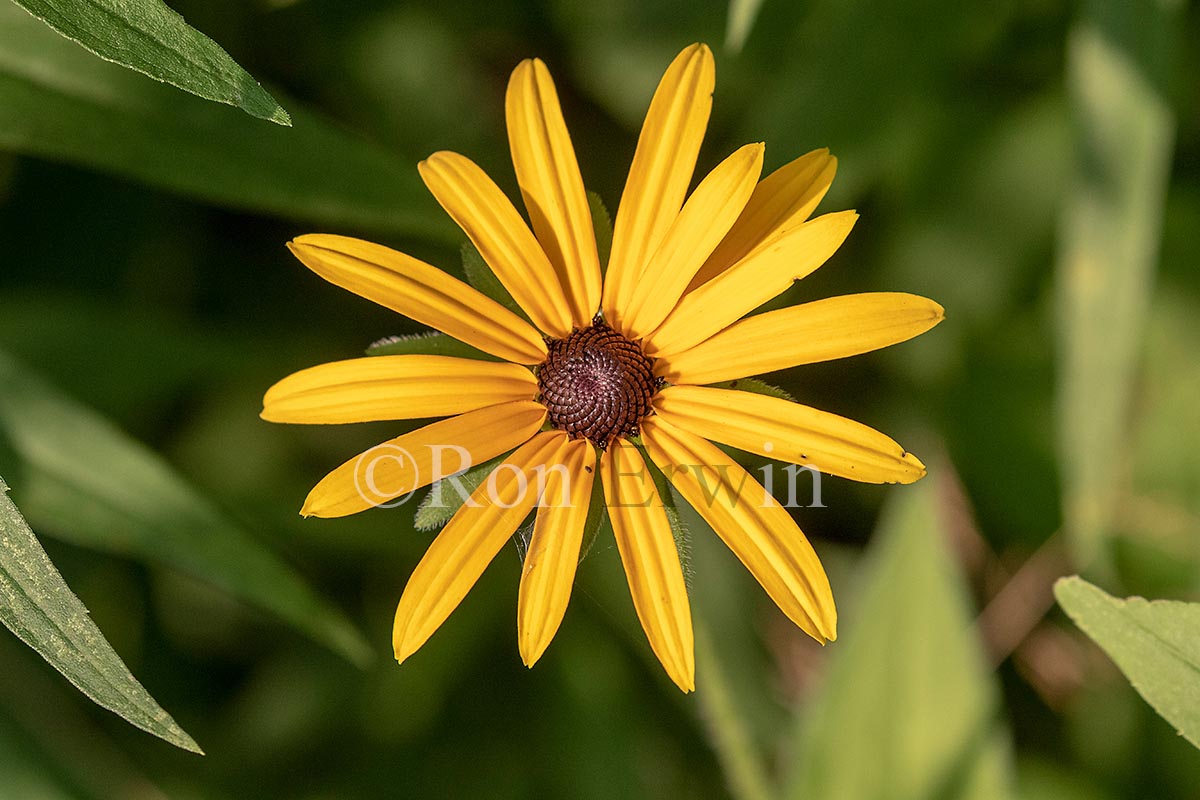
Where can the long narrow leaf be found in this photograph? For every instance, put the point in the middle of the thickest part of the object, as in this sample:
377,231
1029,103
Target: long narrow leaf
742,14
1111,229
85,481
58,101
907,707
147,36
37,606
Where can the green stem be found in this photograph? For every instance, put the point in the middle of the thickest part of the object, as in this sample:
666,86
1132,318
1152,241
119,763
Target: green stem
728,732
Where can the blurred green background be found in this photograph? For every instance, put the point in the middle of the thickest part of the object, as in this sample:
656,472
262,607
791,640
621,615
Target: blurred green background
989,148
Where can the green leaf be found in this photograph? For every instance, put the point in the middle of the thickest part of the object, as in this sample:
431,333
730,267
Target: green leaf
1155,643
429,344
37,606
147,36
88,483
907,708
480,275
57,101
602,224
64,736
447,496
742,14
1110,235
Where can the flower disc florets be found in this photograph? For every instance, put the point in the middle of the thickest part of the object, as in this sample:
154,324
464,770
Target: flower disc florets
596,384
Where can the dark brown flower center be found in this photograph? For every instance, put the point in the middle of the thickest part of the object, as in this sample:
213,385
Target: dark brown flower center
596,384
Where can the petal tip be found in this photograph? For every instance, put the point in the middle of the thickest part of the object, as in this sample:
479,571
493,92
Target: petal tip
311,508
403,648
520,73
682,670
308,240
686,683
531,652
701,51
435,159
403,645
919,469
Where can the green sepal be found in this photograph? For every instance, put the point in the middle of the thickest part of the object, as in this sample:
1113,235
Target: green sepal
755,386
444,498
602,225
427,344
480,275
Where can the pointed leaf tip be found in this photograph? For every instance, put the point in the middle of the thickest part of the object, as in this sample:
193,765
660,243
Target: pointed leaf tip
39,608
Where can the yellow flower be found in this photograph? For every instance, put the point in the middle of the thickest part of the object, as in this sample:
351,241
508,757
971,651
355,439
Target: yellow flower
606,360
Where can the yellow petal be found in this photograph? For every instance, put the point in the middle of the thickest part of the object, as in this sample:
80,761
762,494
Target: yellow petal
502,237
421,292
660,173
835,327
765,272
469,542
552,186
549,571
706,217
783,199
790,432
395,387
651,560
752,524
402,465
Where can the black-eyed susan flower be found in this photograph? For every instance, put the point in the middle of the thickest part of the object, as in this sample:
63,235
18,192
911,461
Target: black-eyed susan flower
608,371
